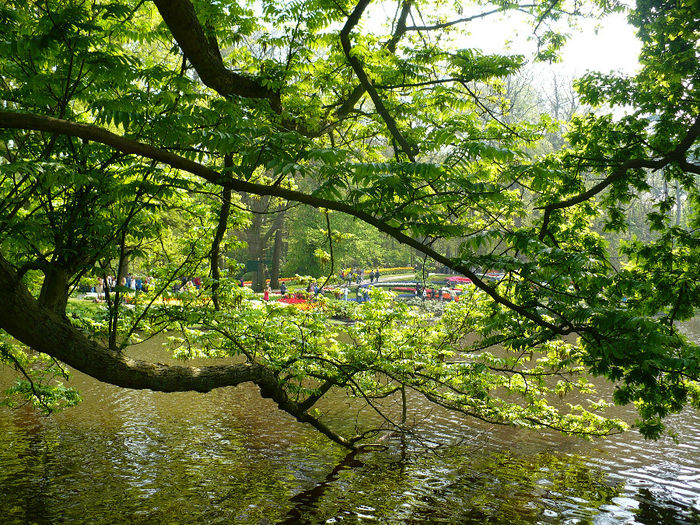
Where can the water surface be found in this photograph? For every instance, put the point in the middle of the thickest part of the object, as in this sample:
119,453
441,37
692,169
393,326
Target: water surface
229,456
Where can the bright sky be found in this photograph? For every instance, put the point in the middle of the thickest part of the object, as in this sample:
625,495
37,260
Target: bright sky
603,45
598,45
614,47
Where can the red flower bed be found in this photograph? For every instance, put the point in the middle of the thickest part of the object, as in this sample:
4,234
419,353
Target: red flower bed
291,300
299,303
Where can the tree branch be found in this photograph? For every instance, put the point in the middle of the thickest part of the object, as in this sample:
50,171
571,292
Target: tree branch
219,237
9,119
676,155
462,20
409,149
23,318
50,333
204,55
346,107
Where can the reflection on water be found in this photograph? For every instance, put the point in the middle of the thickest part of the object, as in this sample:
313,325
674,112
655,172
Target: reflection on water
130,457
229,456
466,485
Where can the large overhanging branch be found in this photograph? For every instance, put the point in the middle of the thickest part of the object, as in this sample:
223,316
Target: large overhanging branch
348,105
13,120
51,333
203,53
43,330
678,154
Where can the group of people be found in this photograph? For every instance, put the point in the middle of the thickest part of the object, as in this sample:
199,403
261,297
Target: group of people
135,283
143,284
439,294
358,275
361,293
313,289
188,283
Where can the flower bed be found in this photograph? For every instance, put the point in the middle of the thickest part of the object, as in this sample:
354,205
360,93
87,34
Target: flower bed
396,269
458,280
292,300
403,288
299,302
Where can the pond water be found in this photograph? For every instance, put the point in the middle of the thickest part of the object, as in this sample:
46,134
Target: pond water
229,456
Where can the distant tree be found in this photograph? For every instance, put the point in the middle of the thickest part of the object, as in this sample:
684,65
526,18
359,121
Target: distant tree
355,244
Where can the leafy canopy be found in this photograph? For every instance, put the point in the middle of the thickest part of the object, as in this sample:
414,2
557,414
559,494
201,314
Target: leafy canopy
126,125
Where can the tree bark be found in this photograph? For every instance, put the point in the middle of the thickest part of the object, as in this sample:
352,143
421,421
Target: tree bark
277,251
54,290
42,329
679,210
255,251
215,255
204,54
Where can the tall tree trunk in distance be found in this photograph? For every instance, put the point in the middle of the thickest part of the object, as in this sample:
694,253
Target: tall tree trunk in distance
113,304
259,235
255,250
277,250
123,266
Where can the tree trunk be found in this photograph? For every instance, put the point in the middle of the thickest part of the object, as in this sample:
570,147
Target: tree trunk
43,330
255,251
277,250
216,260
54,290
123,266
258,237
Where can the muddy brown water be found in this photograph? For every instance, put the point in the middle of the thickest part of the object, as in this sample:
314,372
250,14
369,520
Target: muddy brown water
229,456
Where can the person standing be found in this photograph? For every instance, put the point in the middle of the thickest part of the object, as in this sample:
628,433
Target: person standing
99,289
266,293
283,289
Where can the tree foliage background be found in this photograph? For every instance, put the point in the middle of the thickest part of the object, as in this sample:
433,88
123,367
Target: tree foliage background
135,130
